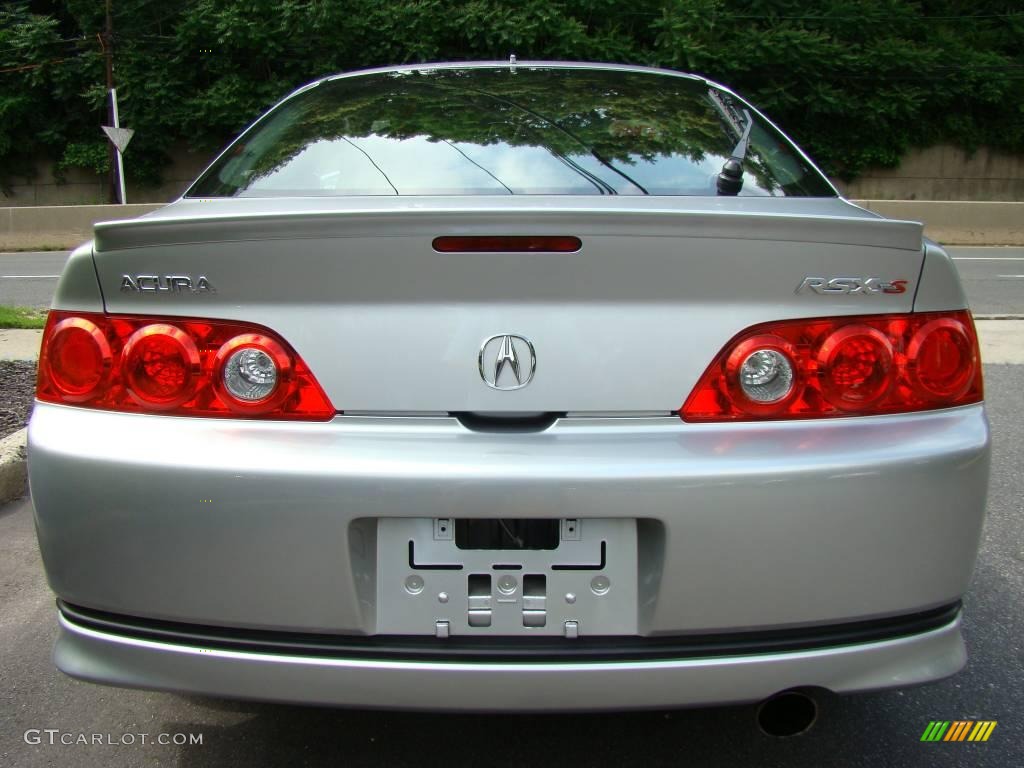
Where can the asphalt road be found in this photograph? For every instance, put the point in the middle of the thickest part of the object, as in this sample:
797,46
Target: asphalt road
993,277
28,279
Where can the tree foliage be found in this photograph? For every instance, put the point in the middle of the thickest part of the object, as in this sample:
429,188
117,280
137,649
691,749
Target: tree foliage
856,82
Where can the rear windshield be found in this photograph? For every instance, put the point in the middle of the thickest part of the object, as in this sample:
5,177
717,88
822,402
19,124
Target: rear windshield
508,131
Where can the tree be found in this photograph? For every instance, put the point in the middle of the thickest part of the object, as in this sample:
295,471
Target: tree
856,82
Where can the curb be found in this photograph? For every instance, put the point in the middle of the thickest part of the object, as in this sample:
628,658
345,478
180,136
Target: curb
20,343
13,468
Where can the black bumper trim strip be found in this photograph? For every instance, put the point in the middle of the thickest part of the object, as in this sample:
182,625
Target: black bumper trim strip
512,649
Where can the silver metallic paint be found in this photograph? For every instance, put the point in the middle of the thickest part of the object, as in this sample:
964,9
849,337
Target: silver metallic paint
939,287
808,220
104,658
78,287
759,525
740,526
388,324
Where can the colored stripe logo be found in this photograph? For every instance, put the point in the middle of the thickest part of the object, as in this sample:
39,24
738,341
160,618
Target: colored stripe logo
959,730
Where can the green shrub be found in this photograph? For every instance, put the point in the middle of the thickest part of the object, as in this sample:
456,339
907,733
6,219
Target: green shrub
856,82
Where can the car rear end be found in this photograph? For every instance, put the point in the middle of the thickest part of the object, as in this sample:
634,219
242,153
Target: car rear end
523,451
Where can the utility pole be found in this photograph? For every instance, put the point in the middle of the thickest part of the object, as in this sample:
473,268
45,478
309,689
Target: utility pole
108,50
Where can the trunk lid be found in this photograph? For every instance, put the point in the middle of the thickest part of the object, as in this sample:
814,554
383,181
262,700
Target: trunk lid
387,324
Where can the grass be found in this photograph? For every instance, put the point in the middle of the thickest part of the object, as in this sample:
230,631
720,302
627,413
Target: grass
22,317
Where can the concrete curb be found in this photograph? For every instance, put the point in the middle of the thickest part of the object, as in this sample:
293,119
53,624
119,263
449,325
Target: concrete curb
1002,341
20,343
13,466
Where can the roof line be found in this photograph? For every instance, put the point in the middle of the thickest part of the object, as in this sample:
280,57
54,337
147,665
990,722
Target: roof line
507,65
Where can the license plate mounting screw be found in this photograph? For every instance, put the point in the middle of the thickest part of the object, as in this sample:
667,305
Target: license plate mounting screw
443,530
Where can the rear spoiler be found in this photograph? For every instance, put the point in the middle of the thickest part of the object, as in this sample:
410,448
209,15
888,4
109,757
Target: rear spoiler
192,224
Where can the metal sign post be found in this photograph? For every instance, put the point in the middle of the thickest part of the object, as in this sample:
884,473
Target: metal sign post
119,137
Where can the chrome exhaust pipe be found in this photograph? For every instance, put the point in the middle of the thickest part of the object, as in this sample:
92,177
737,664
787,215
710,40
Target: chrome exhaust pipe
789,713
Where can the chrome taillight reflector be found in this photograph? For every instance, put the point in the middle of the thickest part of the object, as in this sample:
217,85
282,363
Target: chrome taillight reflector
843,366
175,366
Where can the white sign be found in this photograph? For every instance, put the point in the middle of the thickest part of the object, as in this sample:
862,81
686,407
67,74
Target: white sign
120,136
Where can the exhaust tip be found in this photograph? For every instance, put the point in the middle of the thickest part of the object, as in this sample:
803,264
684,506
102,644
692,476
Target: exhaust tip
789,713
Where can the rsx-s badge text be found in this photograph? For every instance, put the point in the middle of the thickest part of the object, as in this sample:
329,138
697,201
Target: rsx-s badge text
868,285
166,284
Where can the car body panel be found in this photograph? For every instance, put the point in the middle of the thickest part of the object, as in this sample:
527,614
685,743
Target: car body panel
78,288
939,287
208,515
250,525
453,686
389,324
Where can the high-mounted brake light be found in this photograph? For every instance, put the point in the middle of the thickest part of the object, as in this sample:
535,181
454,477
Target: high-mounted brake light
844,366
507,244
175,366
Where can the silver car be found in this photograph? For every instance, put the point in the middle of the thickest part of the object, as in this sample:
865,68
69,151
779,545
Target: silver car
510,386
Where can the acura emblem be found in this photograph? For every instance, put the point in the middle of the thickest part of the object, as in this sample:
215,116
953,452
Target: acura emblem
507,362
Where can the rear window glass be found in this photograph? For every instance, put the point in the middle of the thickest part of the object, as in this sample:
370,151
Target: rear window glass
508,131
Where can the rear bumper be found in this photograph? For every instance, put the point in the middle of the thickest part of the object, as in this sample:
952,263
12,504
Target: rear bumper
136,662
741,526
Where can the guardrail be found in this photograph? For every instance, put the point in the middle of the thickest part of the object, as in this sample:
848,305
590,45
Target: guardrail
951,222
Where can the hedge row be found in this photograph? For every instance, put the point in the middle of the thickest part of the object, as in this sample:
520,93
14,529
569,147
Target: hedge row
856,82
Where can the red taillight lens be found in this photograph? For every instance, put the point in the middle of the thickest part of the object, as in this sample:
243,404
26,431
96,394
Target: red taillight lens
942,359
854,367
175,366
161,366
79,359
843,367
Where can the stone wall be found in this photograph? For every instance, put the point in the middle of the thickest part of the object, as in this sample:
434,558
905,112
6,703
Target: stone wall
84,187
944,173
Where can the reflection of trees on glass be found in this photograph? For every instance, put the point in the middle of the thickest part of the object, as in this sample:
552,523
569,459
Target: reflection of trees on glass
620,131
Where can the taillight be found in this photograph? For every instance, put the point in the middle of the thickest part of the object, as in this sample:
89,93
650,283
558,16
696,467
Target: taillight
161,366
175,366
760,374
844,366
940,357
79,359
855,367
252,372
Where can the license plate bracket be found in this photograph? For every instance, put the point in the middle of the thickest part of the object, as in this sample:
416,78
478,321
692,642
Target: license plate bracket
584,585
